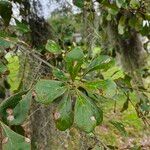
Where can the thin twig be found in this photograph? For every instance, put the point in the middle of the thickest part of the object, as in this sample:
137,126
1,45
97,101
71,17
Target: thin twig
37,57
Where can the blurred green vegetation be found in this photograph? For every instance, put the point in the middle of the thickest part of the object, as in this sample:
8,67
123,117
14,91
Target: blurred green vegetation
13,78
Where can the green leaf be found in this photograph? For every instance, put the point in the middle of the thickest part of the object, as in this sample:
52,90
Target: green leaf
59,74
10,103
8,42
113,10
75,55
79,3
125,105
52,47
64,113
133,22
5,11
14,141
135,4
109,17
119,3
21,110
2,92
106,88
18,129
48,90
18,1
127,80
4,43
121,25
113,73
74,60
4,34
145,106
101,62
120,127
22,27
87,115
144,103
3,68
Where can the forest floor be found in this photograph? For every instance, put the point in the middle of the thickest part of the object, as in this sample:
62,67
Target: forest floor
138,134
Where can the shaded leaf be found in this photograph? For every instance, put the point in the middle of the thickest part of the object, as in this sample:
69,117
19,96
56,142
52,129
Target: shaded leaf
6,84
52,47
120,3
125,105
3,68
135,4
145,103
74,60
120,127
145,106
5,11
22,27
87,114
2,92
65,119
10,103
79,3
112,147
121,25
8,42
48,90
4,43
21,110
13,140
18,129
59,74
127,80
113,10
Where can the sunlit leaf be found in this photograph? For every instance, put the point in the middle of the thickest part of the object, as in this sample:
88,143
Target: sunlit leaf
101,62
106,88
